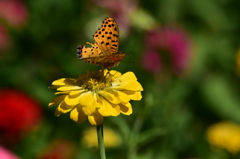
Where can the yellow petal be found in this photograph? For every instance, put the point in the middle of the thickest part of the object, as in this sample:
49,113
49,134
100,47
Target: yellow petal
89,102
59,82
69,88
136,96
67,92
111,97
126,109
133,95
96,119
116,111
108,109
73,98
75,93
124,97
57,113
115,74
54,87
128,76
56,100
135,86
78,115
64,108
64,81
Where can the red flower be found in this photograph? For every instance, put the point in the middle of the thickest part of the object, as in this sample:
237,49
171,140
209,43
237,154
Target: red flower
18,113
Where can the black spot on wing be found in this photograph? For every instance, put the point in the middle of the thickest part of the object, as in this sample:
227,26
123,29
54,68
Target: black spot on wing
115,35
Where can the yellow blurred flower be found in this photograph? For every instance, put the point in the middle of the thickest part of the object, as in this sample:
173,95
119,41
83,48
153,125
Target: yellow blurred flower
111,138
96,95
225,135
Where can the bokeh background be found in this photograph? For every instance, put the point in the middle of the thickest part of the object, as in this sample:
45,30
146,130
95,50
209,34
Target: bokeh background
185,53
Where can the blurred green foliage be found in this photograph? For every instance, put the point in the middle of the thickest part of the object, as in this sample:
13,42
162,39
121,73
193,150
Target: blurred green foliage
170,121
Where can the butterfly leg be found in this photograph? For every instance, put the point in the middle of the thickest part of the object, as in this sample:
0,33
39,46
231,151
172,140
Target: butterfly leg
89,44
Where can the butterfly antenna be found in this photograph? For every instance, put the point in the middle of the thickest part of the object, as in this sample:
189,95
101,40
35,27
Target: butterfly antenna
128,56
128,61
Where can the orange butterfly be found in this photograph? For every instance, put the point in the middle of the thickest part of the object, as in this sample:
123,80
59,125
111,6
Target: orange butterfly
104,51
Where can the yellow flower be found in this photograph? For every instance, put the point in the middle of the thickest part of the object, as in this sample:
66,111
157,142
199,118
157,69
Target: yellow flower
225,135
111,138
96,95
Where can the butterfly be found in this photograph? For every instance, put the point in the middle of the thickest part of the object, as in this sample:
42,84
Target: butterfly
104,52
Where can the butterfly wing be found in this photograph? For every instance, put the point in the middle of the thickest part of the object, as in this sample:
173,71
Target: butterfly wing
107,37
104,51
92,55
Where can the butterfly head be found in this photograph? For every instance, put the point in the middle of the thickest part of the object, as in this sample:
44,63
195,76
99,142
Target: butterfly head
79,51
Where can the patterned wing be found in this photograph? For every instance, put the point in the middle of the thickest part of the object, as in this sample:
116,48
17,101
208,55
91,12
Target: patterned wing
90,55
104,51
107,37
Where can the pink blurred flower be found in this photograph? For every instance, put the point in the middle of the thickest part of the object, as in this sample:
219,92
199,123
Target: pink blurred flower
6,154
19,113
120,10
4,38
171,47
14,12
152,61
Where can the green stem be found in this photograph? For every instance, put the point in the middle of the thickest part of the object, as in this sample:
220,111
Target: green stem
101,141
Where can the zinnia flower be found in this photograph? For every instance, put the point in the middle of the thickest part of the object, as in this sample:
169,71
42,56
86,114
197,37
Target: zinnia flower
111,138
225,135
171,49
96,95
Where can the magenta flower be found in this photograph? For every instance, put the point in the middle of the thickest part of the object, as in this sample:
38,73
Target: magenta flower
120,10
167,48
152,61
14,12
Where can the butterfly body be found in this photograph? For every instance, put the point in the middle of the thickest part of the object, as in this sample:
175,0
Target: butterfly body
104,51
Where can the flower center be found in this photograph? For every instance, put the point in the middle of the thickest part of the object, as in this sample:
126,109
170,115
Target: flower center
95,81
95,85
